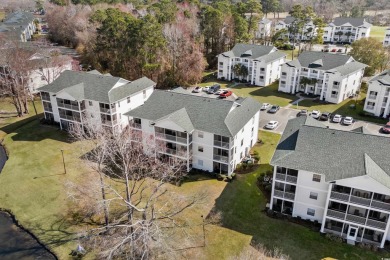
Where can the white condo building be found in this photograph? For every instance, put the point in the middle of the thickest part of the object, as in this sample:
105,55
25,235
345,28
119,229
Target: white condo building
335,77
75,96
18,26
264,28
386,41
309,29
262,63
377,99
206,133
346,29
340,179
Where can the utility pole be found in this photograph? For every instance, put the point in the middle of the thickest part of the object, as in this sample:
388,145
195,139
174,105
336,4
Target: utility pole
63,160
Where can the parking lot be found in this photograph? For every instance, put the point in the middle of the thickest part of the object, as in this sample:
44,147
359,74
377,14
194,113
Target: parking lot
285,114
205,94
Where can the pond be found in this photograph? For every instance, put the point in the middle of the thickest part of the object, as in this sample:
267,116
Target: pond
16,243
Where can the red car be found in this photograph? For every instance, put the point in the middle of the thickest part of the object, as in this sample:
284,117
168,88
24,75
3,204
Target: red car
386,128
225,93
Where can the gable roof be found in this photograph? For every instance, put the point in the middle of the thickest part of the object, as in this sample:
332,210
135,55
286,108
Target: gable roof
15,23
252,51
334,153
95,86
222,117
383,77
355,22
344,64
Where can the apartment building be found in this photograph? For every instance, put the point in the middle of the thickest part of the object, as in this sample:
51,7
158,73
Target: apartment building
205,133
18,26
259,65
386,41
332,77
377,99
346,29
264,28
76,96
309,29
340,179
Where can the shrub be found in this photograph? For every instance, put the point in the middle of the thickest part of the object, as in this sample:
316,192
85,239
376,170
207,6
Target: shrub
268,187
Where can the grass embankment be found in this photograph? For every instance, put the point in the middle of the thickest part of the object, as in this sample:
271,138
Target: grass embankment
378,32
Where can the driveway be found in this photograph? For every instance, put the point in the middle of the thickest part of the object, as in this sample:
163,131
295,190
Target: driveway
285,114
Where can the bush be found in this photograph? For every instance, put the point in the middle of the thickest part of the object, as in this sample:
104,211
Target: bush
268,187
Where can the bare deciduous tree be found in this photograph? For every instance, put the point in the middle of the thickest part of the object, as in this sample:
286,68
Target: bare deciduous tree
142,217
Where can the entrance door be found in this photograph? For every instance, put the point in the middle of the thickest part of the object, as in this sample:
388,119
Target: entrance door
352,233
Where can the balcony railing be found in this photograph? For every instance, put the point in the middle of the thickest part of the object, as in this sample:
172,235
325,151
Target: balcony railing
278,193
384,104
109,122
289,195
287,178
333,96
360,200
68,106
222,144
107,110
372,96
370,107
356,219
221,158
336,214
376,224
171,138
339,196
71,118
380,205
171,151
135,125
387,93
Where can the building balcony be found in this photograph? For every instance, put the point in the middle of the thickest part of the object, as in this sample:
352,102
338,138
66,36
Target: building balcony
360,200
106,110
71,118
356,219
222,144
284,194
171,138
109,122
286,178
384,104
333,96
68,106
376,223
339,196
335,214
221,158
380,205
372,97
132,124
370,107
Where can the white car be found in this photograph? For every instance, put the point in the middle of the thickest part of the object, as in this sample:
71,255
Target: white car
315,114
348,120
197,90
336,118
218,92
265,106
207,88
271,125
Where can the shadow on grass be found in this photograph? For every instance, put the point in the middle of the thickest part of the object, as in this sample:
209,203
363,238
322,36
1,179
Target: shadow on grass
30,129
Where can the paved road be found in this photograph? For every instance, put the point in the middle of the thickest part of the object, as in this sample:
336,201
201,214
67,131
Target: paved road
284,114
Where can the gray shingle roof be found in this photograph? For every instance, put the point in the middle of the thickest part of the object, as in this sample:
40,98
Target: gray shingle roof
15,23
334,153
222,117
181,118
356,22
383,77
342,63
97,87
251,51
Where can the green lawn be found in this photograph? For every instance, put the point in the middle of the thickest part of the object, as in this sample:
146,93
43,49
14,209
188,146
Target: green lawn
289,53
269,94
378,32
343,108
241,204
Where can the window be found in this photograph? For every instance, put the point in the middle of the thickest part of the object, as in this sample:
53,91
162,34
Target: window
283,82
200,134
119,104
200,149
242,142
245,60
200,162
284,73
262,69
220,71
40,69
316,177
90,103
261,77
128,99
313,195
221,63
237,59
314,71
311,212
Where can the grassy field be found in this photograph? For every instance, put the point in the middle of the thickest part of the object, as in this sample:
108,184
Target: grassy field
269,94
2,15
378,32
343,108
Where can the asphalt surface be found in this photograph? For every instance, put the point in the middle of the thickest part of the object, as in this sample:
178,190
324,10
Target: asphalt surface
285,114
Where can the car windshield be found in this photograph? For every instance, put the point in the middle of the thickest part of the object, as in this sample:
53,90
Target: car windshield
387,126
273,107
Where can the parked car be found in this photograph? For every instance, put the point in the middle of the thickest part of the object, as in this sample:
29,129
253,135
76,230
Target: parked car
336,118
218,92
386,128
214,88
206,89
340,50
271,125
333,50
274,109
315,114
197,90
348,120
225,94
325,116
303,112
265,106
